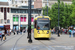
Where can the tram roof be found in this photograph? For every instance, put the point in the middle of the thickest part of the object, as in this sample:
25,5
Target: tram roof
42,17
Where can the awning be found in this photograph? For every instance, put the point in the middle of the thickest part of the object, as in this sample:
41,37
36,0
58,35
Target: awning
1,26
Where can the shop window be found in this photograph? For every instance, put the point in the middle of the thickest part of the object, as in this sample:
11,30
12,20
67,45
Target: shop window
31,19
24,19
8,21
1,20
21,19
13,19
16,19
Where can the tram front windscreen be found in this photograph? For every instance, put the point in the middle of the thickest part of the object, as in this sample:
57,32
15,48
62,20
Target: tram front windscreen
43,24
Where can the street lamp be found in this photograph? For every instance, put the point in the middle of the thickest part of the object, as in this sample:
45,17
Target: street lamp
29,21
58,18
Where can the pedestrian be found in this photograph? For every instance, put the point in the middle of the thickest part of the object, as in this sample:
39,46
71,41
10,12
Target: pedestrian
21,31
73,32
17,31
24,30
7,32
1,34
70,31
14,31
10,31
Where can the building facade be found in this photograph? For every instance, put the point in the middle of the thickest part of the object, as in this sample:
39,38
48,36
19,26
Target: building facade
16,17
51,2
14,14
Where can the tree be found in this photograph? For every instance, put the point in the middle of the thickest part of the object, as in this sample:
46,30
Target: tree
66,14
72,17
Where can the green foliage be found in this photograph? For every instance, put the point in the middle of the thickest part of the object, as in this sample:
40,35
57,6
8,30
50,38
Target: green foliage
58,1
73,2
67,14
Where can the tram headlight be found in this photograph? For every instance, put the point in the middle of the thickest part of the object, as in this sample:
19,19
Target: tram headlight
47,32
38,32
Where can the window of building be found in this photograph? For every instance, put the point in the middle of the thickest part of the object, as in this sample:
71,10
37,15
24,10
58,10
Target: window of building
21,19
16,2
1,9
8,21
16,5
14,18
1,20
17,18
8,10
25,1
24,19
32,17
22,1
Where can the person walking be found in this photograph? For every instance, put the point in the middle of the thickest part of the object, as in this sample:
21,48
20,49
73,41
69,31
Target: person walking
10,31
21,31
70,31
1,34
73,32
17,31
7,32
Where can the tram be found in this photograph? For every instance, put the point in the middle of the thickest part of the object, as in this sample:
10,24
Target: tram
42,27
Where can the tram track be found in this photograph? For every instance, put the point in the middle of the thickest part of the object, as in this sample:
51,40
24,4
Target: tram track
13,48
48,47
7,40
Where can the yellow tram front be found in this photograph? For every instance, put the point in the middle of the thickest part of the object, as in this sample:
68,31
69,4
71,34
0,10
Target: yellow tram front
42,27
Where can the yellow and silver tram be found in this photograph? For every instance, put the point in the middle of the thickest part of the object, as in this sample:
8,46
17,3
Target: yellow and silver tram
42,27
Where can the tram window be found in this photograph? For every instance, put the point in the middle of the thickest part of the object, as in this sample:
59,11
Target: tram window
38,27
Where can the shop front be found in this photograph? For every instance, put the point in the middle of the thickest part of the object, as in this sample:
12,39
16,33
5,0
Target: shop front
1,27
6,27
23,27
15,27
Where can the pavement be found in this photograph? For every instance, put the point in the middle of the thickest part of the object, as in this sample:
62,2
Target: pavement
20,42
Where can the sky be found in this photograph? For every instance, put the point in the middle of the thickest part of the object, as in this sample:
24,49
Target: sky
3,0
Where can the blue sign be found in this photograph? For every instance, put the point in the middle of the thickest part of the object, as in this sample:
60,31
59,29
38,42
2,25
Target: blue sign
21,25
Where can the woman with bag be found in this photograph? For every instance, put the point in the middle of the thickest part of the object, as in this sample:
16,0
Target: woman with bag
1,34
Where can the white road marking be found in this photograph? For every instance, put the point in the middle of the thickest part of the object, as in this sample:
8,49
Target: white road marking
51,48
